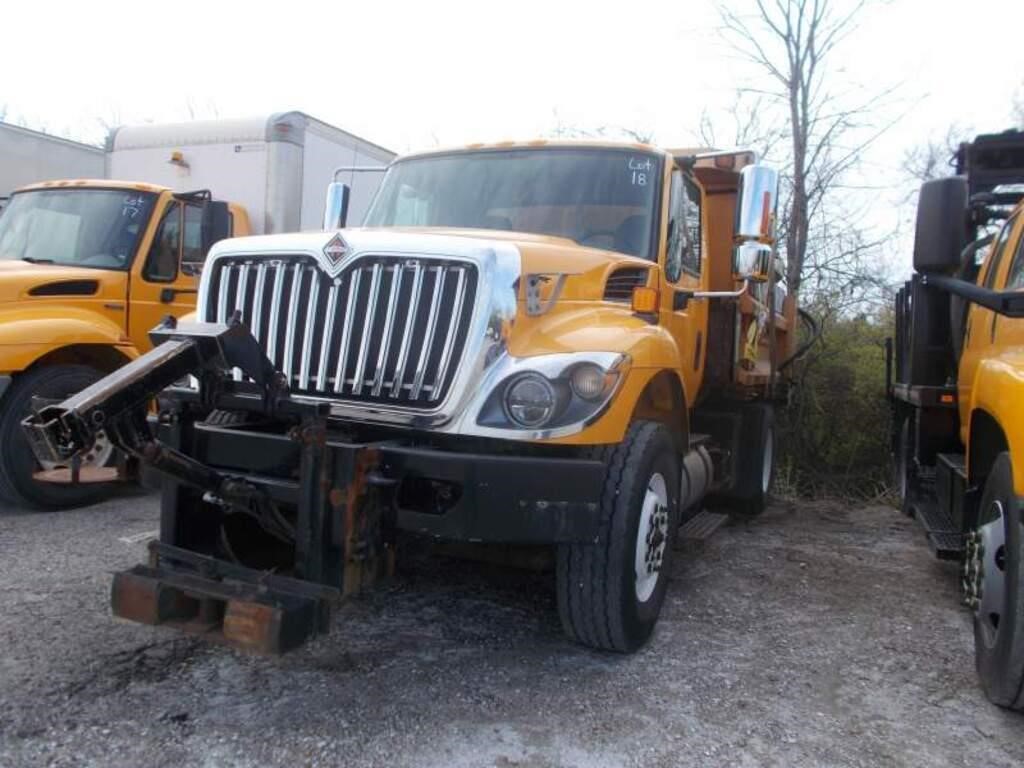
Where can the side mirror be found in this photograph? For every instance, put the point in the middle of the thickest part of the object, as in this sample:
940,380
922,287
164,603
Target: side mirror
752,261
940,235
755,208
216,224
336,206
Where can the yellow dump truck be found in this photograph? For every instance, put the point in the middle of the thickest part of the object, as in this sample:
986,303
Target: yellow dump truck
957,388
87,268
571,346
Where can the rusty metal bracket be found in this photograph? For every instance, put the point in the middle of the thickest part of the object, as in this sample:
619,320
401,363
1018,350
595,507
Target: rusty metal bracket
247,609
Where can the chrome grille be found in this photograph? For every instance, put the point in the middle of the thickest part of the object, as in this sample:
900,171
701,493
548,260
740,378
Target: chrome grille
387,329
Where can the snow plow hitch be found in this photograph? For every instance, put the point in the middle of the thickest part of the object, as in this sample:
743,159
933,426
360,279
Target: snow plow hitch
260,533
117,403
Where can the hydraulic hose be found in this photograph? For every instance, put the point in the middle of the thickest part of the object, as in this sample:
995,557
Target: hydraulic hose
815,332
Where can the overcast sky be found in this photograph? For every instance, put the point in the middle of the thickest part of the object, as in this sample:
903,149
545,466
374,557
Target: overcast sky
413,74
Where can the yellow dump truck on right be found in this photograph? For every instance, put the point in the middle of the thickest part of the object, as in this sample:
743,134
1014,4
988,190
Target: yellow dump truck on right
956,386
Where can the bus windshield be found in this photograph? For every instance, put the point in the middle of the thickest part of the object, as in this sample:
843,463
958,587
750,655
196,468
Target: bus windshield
79,227
601,197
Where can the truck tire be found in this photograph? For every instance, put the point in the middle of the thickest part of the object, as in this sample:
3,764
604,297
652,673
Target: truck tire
18,463
610,591
998,582
755,464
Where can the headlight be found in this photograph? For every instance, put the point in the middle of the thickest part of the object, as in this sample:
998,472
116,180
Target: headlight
530,400
549,395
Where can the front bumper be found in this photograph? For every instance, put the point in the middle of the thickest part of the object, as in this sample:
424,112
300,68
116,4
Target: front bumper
446,494
515,499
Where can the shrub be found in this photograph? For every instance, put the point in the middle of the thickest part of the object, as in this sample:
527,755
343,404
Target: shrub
834,434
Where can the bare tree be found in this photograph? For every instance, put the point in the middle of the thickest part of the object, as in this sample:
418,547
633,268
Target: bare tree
564,130
110,121
792,42
934,158
749,125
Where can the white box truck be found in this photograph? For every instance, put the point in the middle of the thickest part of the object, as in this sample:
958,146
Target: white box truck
277,165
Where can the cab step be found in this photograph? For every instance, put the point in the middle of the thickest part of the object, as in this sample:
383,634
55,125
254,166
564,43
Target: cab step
700,527
947,546
944,538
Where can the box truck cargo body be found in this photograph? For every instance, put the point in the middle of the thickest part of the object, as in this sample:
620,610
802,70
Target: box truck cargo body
28,157
277,166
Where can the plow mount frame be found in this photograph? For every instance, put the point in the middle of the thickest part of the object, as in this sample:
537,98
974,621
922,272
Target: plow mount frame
335,534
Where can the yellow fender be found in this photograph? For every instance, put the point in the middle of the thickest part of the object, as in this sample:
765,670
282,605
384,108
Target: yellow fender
29,333
651,349
582,328
997,387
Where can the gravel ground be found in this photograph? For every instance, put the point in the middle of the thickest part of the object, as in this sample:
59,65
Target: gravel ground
817,635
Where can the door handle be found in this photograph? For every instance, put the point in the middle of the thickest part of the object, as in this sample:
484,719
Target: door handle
168,295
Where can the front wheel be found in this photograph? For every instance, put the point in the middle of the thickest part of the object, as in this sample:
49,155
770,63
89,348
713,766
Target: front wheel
18,463
610,591
994,585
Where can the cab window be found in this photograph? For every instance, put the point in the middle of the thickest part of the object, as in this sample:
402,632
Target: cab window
998,249
599,198
676,227
178,241
691,218
684,236
1015,277
192,254
162,262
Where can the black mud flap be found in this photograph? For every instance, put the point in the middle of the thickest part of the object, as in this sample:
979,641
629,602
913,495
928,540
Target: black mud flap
224,602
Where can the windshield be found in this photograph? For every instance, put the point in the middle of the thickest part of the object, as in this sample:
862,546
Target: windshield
78,227
603,198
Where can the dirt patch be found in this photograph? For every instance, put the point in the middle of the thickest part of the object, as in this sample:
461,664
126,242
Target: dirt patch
817,634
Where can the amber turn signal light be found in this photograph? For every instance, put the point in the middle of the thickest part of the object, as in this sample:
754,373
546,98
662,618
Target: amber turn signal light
645,300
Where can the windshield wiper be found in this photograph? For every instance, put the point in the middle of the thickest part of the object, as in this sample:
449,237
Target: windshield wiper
34,260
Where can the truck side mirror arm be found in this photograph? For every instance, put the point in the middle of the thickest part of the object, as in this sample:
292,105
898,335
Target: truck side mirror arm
1008,303
682,298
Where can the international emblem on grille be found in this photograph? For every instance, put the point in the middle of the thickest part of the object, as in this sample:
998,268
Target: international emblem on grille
336,250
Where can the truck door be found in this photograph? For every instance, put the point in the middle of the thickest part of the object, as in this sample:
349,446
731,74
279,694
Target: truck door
164,281
1008,332
683,271
982,323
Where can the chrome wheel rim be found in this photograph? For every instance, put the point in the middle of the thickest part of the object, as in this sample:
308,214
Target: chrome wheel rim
652,537
98,455
990,574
